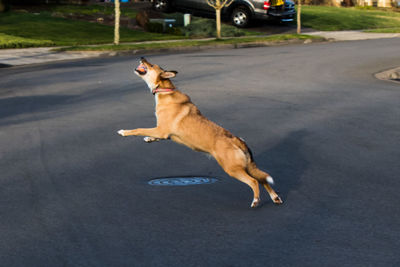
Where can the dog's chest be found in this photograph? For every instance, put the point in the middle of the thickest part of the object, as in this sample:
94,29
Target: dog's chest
162,111
171,115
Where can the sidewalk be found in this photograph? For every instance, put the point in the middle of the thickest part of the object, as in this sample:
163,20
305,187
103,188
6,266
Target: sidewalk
25,56
353,35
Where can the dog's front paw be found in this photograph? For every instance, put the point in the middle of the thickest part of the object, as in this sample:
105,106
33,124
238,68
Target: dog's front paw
122,132
149,139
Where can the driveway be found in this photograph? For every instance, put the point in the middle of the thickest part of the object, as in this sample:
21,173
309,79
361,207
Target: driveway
75,193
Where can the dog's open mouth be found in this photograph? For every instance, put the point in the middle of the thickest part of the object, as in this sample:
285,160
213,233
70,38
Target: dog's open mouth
141,69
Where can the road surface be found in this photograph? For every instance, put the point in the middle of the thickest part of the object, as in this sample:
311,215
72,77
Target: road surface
75,193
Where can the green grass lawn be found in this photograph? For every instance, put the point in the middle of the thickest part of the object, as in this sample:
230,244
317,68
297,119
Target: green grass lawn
42,29
22,29
93,10
336,19
62,31
8,41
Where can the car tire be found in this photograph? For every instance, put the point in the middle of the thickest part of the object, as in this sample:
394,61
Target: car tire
161,5
241,17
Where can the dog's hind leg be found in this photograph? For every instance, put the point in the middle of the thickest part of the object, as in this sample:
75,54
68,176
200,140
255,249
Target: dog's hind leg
274,196
234,162
241,174
265,179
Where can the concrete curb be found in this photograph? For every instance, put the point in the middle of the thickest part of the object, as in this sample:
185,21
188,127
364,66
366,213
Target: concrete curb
30,56
203,47
392,75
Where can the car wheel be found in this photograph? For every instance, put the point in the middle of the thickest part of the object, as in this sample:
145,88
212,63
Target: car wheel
161,5
240,17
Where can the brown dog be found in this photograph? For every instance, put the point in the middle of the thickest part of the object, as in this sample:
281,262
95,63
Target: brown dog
180,120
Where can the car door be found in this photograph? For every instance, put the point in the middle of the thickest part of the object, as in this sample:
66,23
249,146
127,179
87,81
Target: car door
202,5
194,4
189,4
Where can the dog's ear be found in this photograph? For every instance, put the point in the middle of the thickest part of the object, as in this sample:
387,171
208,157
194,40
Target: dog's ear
168,74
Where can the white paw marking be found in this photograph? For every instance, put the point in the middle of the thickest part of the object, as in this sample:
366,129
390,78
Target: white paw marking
121,132
148,139
278,200
255,202
270,180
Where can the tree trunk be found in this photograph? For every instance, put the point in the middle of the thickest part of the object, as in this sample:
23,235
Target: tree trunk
116,27
348,3
299,17
2,6
218,14
217,5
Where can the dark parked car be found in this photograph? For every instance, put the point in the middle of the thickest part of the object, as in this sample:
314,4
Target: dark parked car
241,12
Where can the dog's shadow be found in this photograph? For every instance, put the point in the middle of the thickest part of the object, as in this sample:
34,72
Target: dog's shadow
285,162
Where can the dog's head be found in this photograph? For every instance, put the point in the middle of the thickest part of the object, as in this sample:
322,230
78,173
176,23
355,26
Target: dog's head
154,76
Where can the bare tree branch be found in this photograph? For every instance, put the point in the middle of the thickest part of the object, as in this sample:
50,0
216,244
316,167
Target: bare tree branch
227,3
209,2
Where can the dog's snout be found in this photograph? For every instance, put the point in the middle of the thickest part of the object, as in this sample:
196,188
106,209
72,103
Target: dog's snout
141,69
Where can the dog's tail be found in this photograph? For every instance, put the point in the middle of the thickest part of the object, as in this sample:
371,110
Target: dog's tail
260,175
252,169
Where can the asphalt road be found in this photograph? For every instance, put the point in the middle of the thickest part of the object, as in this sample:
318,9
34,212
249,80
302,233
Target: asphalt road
74,193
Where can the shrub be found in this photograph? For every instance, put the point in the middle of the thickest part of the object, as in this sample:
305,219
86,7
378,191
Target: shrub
154,27
157,27
201,27
173,31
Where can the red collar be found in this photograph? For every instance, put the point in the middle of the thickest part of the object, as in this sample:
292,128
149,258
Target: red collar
157,90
